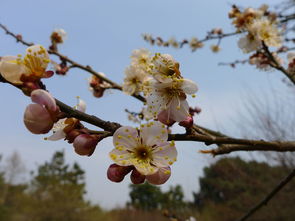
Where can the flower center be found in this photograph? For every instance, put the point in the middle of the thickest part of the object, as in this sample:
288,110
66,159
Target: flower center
143,153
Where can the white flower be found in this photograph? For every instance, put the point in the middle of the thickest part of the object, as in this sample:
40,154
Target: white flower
33,65
167,100
264,30
249,43
164,67
135,76
146,149
60,127
141,58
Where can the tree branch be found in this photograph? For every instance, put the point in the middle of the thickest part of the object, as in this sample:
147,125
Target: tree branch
72,62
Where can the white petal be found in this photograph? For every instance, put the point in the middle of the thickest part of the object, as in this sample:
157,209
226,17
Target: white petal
153,133
122,158
11,70
126,137
59,134
164,155
189,87
145,168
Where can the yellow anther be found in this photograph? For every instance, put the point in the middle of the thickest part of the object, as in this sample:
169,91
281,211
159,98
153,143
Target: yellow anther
193,95
170,162
119,136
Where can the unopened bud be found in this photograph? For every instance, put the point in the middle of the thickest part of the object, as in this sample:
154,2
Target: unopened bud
85,144
117,173
136,177
187,123
37,119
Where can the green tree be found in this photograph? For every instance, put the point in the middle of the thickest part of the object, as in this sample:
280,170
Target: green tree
231,186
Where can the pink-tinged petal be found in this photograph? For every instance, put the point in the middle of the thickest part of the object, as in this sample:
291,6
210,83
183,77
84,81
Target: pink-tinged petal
178,109
37,119
11,70
126,137
188,86
153,133
187,123
85,144
164,154
136,177
163,117
58,135
117,173
160,177
42,97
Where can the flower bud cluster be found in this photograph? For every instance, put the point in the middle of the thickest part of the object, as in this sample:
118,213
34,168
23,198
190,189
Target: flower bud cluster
194,43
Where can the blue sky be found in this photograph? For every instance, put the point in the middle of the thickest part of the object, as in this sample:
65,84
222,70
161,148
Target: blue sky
103,34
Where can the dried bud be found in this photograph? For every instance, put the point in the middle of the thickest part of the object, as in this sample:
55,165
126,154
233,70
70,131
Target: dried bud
117,173
85,144
160,177
136,177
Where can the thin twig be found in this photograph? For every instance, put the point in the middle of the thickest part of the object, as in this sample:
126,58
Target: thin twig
73,63
269,196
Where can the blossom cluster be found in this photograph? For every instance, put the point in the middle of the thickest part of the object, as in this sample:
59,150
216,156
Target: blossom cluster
260,27
159,78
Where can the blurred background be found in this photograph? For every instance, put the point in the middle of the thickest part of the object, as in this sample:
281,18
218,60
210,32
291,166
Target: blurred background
43,180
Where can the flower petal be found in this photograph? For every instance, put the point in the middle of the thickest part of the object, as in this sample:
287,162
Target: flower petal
42,97
153,133
160,177
188,86
59,134
145,168
126,137
11,70
122,158
164,155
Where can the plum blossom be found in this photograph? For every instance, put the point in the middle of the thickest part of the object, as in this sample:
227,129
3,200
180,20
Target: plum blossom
146,149
32,67
167,100
135,76
137,72
266,31
40,117
164,67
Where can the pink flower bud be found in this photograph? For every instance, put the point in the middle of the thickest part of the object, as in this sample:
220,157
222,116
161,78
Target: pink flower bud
42,97
160,177
117,173
187,123
37,119
85,144
136,177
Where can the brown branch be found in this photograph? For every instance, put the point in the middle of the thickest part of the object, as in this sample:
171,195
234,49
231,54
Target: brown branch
275,64
269,196
72,62
200,135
